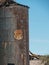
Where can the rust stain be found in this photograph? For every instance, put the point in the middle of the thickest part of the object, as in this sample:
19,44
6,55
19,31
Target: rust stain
18,34
4,45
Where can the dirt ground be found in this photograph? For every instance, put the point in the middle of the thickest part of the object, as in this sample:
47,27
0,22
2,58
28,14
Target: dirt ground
36,62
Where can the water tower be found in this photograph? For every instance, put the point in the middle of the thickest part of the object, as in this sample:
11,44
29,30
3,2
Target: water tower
14,33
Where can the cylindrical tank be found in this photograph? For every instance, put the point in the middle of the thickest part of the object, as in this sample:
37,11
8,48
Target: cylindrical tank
8,25
13,49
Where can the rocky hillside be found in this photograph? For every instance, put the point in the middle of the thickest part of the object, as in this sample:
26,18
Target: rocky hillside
38,59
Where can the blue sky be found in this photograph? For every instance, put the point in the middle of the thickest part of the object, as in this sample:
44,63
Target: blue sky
38,25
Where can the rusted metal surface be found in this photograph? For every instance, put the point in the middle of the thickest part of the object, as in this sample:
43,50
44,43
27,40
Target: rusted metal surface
18,34
12,18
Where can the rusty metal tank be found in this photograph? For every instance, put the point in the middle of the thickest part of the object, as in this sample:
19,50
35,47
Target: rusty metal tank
14,37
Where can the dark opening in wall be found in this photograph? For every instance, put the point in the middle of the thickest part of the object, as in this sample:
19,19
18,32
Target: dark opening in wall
11,64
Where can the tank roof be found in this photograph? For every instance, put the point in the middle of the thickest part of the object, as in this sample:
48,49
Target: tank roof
8,2
22,5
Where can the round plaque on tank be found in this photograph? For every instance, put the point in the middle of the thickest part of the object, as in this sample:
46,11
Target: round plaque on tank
18,34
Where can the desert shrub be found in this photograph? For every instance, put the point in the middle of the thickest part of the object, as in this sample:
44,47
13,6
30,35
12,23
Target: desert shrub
45,59
47,63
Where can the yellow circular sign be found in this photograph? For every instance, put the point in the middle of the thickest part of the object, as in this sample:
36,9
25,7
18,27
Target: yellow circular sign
18,34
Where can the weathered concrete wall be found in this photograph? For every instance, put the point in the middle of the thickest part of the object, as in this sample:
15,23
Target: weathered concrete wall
11,50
